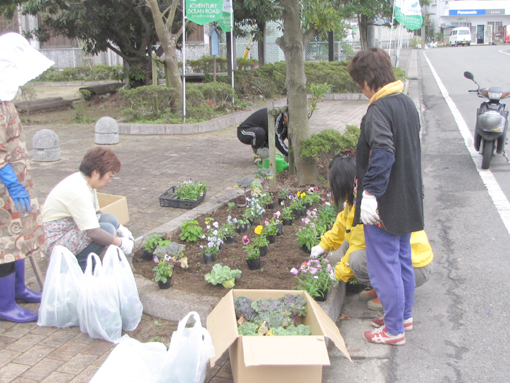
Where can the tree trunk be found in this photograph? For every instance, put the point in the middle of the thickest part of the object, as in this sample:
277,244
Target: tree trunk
262,44
168,42
362,21
174,75
292,44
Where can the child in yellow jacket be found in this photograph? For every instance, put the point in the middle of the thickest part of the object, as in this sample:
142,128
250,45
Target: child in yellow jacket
351,240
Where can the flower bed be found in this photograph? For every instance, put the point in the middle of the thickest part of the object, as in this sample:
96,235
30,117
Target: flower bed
281,257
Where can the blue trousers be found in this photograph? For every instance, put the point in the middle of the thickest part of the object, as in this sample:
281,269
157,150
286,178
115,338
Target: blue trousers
107,222
391,273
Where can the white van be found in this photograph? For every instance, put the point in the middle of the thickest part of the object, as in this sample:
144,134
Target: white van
460,36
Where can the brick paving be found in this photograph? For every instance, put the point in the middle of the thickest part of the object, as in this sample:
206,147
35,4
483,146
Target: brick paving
150,165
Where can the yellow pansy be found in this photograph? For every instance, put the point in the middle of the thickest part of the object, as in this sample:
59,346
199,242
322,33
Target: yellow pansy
303,195
258,229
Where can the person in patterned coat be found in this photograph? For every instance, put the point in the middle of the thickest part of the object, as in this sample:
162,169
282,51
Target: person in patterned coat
21,231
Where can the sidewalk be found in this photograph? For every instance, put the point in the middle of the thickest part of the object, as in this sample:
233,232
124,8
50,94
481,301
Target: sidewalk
150,165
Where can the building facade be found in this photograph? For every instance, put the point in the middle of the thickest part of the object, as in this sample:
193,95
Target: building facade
485,18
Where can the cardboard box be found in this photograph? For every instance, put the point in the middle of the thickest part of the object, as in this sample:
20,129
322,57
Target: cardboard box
114,204
278,359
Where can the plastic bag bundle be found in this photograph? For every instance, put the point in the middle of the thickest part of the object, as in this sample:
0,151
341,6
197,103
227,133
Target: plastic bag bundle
131,362
189,352
98,304
64,280
117,268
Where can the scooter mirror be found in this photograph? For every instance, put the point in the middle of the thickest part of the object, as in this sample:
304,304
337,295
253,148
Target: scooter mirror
469,75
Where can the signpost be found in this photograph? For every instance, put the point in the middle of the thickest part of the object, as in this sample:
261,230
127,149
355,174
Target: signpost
204,11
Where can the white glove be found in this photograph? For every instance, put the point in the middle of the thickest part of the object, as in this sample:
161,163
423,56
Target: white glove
124,232
317,251
368,210
126,245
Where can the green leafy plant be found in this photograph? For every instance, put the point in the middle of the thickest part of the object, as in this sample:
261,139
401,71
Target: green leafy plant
214,237
224,275
265,198
271,226
284,193
261,317
191,231
231,206
296,203
260,241
308,236
245,183
190,190
173,249
264,174
254,210
317,92
287,213
315,276
152,242
326,215
229,227
252,251
163,270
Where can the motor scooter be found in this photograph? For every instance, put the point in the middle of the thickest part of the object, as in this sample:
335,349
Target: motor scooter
491,121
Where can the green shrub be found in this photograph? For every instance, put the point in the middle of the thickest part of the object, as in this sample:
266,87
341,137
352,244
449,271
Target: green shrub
147,102
202,112
94,73
194,96
219,92
247,63
329,142
206,64
334,73
85,94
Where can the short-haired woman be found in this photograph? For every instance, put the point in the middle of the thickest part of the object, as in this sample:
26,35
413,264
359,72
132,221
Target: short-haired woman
389,200
71,214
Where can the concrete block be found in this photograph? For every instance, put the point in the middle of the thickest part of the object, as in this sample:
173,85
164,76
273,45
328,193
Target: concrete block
106,131
46,146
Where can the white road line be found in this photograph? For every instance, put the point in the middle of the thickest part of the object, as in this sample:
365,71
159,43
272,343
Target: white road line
498,197
505,53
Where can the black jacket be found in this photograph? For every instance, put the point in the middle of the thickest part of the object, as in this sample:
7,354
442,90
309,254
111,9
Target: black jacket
392,124
259,120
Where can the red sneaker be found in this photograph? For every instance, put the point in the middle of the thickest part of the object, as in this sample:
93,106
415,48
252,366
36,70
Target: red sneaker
380,335
367,295
408,323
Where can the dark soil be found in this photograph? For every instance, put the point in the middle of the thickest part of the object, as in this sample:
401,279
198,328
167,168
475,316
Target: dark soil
281,257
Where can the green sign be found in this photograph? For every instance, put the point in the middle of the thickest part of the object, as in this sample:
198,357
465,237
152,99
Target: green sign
408,13
204,11
224,22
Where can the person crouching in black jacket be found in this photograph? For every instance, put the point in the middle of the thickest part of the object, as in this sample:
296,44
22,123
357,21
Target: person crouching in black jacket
254,131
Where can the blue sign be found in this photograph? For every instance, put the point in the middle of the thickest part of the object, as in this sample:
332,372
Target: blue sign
467,12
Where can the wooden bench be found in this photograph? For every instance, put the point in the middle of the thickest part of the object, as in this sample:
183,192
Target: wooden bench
47,103
99,90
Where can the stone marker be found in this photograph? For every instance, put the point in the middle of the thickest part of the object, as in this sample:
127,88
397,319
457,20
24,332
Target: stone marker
46,146
107,131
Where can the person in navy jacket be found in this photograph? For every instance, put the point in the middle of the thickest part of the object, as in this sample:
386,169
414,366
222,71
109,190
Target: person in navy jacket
254,131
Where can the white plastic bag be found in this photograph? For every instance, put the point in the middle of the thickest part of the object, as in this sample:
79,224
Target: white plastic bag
98,305
189,352
116,267
131,362
59,301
